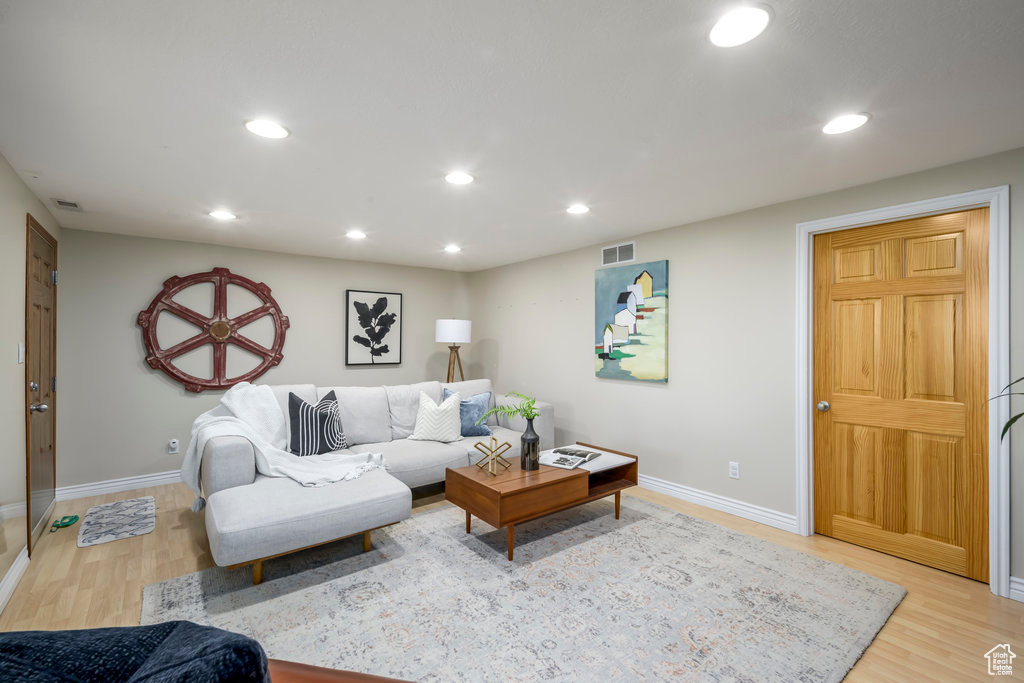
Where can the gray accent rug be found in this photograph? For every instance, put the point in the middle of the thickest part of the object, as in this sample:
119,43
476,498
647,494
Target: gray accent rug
656,595
114,521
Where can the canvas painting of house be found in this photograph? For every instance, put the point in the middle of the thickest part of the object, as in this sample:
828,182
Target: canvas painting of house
631,322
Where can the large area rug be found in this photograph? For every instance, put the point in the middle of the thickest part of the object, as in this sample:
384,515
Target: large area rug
655,595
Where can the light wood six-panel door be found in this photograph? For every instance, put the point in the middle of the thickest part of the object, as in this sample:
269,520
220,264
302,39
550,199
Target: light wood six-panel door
901,360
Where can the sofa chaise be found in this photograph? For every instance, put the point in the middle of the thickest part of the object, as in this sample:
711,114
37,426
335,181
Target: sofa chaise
251,518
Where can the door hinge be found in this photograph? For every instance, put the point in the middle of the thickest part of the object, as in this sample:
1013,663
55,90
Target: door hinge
53,277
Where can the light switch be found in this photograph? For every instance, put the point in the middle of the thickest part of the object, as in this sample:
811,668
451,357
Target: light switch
21,353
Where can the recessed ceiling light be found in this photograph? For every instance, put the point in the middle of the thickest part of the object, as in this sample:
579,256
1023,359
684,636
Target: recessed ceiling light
578,209
223,215
459,178
266,128
453,249
740,25
845,123
355,235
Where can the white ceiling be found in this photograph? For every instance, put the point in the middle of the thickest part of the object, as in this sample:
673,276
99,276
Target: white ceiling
135,109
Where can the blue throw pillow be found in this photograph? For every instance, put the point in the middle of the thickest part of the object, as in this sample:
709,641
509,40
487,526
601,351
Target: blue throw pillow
470,410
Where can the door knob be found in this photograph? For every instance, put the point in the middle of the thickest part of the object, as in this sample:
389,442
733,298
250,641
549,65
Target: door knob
38,408
823,406
32,386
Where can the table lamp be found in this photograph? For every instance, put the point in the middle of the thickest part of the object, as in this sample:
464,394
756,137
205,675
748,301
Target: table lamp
453,333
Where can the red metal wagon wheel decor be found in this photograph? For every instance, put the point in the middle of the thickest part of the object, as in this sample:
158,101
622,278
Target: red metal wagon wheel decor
218,330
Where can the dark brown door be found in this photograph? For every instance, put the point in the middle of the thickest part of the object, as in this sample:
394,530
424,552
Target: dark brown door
40,376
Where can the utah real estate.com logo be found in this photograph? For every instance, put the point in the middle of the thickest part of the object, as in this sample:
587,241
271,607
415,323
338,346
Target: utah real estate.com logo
1000,660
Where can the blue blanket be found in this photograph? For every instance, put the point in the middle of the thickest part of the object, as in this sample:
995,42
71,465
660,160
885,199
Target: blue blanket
172,651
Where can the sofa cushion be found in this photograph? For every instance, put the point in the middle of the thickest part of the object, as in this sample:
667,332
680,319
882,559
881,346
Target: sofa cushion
277,515
364,413
438,422
418,463
307,392
471,410
404,404
471,387
315,427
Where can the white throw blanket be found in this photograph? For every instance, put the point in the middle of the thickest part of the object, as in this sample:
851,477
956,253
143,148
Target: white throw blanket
252,412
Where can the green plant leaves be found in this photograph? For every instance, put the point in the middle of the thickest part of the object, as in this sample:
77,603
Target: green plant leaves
1004,392
1012,383
1009,423
526,409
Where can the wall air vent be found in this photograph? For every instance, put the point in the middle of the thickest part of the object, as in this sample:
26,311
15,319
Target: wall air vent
66,204
618,253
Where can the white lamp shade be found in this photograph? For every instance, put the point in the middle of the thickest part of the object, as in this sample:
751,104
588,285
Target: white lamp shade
450,331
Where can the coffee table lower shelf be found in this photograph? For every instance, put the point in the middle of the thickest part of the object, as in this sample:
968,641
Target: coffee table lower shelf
517,496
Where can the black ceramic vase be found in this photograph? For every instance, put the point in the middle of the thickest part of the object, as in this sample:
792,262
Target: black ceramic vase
530,459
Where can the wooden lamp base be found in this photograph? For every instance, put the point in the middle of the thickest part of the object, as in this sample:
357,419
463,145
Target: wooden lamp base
453,360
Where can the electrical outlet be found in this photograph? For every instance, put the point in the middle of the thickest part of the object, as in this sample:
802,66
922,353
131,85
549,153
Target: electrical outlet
734,470
172,446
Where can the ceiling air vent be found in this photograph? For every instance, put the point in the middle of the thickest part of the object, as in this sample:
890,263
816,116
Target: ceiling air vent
66,204
618,253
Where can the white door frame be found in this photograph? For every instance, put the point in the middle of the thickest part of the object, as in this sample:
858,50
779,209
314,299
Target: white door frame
997,199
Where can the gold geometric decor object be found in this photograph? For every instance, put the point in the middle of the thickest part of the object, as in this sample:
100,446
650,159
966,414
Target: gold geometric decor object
492,455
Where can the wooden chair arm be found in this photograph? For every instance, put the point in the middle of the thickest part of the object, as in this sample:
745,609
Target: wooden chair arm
293,672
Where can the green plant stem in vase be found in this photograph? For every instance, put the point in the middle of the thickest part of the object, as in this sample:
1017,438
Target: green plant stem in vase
526,409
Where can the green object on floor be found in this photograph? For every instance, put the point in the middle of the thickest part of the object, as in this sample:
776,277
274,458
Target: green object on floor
67,520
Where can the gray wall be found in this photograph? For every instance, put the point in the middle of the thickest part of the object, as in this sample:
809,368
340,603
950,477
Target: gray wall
731,389
117,413
730,395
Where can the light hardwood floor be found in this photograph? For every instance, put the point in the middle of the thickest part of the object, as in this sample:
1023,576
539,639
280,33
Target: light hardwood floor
940,631
12,540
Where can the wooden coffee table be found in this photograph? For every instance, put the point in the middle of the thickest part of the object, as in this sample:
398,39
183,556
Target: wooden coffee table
516,496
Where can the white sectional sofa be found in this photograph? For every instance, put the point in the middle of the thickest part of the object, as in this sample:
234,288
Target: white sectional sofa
251,518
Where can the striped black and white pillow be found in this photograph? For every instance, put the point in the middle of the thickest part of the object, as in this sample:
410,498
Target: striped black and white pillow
315,428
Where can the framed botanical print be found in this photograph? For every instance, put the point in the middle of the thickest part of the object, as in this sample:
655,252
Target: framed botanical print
373,328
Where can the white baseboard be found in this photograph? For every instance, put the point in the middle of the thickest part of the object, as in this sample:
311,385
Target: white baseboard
1017,588
12,510
755,513
10,580
116,485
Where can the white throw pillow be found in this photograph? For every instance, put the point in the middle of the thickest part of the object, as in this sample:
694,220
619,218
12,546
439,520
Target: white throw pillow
438,422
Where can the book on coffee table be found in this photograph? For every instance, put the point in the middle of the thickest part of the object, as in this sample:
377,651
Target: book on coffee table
571,457
567,458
